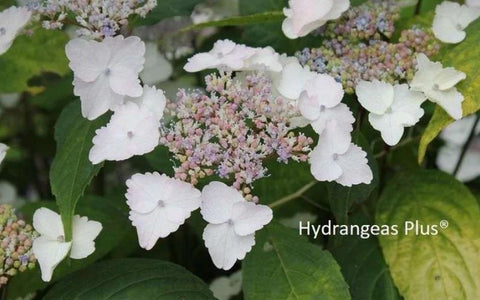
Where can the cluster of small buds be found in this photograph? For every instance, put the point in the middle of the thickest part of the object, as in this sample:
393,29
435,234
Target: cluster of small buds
371,20
356,49
97,18
231,131
16,238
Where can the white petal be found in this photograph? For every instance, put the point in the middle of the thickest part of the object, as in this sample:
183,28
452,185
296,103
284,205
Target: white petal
88,59
446,30
156,224
217,202
323,165
335,137
291,81
341,115
48,223
448,78
84,233
338,8
157,67
408,102
450,100
387,124
225,246
320,92
375,96
97,97
12,20
264,59
199,62
355,167
249,217
131,131
426,71
49,253
153,99
124,81
127,53
145,191
304,16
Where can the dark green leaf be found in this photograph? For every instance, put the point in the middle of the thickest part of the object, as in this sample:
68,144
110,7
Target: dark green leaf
362,264
131,279
71,170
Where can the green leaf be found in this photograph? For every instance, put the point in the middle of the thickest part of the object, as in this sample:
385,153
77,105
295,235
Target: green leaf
362,264
29,56
71,170
166,9
442,266
131,279
342,198
279,183
283,265
99,209
465,58
261,18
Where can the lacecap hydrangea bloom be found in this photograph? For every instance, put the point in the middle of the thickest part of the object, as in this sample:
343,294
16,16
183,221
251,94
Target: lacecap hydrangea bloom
12,21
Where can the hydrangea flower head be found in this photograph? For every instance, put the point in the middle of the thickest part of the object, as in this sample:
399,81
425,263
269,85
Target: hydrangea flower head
105,72
304,16
231,130
451,19
159,205
12,20
392,108
438,84
230,234
225,55
50,248
132,130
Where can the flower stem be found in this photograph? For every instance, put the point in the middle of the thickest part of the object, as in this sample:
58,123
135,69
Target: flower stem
293,196
466,146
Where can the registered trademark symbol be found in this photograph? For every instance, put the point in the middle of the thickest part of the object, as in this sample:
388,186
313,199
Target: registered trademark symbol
443,224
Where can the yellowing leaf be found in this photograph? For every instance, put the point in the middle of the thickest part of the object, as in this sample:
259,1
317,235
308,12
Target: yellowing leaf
445,265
